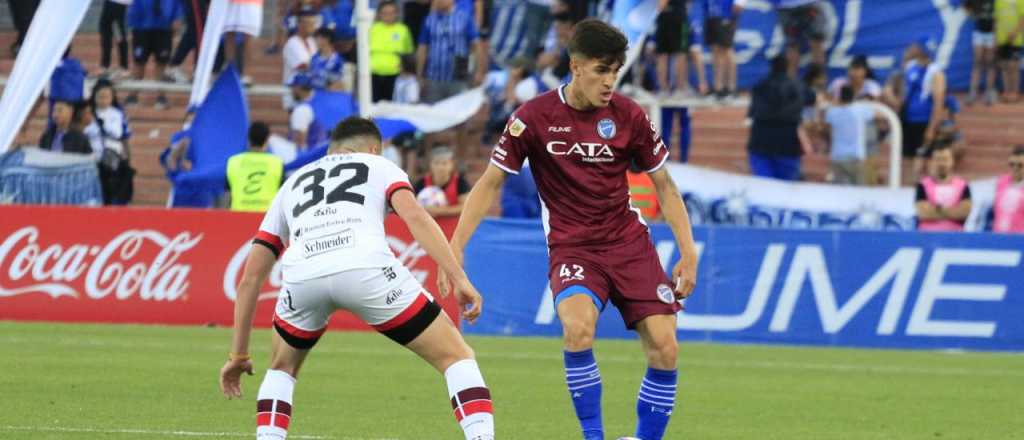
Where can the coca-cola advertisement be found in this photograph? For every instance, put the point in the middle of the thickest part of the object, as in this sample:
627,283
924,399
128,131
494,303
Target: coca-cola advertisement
153,266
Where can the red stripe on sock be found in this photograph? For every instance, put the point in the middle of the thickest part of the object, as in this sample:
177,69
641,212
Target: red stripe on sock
474,407
263,419
281,421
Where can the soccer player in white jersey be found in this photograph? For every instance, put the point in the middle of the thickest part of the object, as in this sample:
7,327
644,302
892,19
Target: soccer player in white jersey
330,217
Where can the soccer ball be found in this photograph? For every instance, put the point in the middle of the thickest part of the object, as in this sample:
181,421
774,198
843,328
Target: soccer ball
432,196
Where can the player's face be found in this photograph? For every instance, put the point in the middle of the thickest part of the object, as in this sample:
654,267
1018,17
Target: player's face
942,163
595,79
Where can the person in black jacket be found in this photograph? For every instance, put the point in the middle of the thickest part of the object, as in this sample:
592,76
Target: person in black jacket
775,107
63,135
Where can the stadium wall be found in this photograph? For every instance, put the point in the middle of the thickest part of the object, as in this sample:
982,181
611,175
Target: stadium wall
786,286
151,266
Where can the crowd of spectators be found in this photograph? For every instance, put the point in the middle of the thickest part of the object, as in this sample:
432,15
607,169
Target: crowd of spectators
429,50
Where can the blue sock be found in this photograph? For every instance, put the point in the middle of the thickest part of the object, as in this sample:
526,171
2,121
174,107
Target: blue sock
655,402
584,381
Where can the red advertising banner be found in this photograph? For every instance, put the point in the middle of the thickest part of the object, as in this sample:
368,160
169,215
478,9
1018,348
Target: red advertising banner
150,266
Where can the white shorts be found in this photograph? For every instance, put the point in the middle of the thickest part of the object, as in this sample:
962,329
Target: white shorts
244,16
983,39
390,299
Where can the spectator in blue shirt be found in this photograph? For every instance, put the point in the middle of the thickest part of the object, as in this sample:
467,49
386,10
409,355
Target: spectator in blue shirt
442,58
327,65
152,23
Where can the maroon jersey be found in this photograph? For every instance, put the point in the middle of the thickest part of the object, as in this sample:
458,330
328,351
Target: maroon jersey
579,161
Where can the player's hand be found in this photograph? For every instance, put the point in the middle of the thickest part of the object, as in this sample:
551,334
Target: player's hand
443,283
685,276
231,377
470,301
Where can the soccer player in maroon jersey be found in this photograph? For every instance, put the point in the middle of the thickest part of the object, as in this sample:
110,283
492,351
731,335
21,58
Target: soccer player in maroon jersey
580,139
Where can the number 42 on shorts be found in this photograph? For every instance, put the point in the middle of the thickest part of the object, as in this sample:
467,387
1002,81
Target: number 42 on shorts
567,274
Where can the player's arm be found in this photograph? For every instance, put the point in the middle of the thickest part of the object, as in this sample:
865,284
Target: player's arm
258,265
429,235
672,207
480,199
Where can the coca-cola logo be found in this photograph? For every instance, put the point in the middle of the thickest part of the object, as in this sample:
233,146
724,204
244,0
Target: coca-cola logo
117,267
409,254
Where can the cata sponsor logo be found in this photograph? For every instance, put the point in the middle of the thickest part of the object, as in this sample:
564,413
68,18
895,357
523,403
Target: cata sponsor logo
139,262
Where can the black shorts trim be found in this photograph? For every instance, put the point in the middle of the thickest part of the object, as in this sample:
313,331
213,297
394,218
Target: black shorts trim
295,341
415,326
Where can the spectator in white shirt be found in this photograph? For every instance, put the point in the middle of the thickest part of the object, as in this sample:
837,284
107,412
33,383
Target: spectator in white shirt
846,124
859,78
299,49
304,129
407,88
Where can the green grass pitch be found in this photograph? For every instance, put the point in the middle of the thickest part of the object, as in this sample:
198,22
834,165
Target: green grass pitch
60,381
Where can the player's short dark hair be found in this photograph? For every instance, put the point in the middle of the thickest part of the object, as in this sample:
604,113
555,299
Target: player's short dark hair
846,94
354,127
595,39
259,132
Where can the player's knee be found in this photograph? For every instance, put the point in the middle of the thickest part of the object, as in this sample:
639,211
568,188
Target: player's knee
663,354
578,335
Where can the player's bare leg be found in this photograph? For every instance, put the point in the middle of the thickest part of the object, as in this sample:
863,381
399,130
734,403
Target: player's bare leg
658,388
274,401
442,346
578,313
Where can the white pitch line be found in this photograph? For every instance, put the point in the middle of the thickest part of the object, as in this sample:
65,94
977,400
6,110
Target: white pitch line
166,433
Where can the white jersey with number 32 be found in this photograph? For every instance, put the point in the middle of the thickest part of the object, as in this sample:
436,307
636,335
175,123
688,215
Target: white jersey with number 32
330,215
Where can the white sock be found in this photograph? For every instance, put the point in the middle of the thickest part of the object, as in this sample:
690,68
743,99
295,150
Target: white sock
274,405
471,400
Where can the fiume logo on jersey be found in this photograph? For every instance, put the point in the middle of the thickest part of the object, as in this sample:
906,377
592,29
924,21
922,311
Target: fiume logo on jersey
587,151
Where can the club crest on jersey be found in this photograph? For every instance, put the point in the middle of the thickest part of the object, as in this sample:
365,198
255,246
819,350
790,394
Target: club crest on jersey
516,127
665,294
606,128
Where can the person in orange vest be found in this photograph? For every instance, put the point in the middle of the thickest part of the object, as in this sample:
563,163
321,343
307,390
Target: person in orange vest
443,190
943,198
642,196
1009,201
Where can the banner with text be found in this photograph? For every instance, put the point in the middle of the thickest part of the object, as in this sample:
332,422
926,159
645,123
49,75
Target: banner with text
149,266
860,27
841,288
719,198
